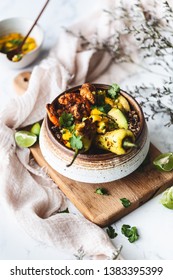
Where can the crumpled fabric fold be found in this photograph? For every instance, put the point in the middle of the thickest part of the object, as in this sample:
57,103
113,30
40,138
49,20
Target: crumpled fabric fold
33,197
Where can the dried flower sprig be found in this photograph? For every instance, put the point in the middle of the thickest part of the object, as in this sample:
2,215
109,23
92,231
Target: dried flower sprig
150,98
153,33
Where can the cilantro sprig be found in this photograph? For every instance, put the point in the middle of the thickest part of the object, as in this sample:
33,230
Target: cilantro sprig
114,91
16,41
76,144
130,232
125,202
111,232
66,120
101,191
104,108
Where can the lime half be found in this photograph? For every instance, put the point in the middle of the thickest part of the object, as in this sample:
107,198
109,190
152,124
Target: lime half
164,162
25,139
35,129
167,198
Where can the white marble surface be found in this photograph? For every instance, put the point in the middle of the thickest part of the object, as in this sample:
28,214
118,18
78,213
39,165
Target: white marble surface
154,222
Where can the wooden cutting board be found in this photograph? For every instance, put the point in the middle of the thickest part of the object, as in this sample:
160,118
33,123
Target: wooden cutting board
140,186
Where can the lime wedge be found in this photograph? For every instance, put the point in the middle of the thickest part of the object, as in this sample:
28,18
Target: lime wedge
164,162
35,129
167,198
25,139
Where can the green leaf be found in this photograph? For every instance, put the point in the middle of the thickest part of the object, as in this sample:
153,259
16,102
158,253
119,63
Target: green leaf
113,91
76,142
130,232
105,108
111,232
101,191
164,162
66,119
16,41
125,202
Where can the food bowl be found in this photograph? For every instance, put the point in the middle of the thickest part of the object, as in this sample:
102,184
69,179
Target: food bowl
22,26
95,167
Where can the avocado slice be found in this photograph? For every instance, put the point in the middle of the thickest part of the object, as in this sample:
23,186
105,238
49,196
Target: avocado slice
124,103
119,117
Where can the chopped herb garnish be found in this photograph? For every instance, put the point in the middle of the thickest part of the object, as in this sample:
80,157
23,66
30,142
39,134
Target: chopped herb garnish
105,108
101,191
130,232
125,202
66,119
76,142
113,91
16,41
111,232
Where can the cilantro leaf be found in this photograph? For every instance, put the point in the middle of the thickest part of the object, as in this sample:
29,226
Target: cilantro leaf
101,191
76,142
16,41
111,232
105,108
66,119
125,202
130,232
113,91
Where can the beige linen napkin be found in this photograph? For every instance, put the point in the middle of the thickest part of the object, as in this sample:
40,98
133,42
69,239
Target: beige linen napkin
32,196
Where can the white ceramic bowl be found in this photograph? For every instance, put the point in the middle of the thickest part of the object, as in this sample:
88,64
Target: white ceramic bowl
22,26
95,168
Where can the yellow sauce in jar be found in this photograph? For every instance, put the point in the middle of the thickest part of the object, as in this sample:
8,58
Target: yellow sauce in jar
13,40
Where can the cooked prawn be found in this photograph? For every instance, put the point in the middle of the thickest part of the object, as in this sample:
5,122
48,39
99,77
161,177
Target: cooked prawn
75,104
70,98
52,114
86,92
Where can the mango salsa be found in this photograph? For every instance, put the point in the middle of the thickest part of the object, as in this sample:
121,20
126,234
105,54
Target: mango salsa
13,40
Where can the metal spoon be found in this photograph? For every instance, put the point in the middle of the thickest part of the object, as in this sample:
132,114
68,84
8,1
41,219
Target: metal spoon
16,55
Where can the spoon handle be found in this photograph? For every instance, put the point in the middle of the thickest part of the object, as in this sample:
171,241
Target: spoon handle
34,23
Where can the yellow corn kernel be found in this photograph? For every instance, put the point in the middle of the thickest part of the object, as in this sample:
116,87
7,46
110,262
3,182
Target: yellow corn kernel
79,127
9,45
96,111
67,144
105,119
66,134
101,127
109,101
96,118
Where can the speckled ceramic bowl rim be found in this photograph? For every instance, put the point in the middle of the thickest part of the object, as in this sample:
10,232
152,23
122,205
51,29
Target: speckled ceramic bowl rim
107,155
